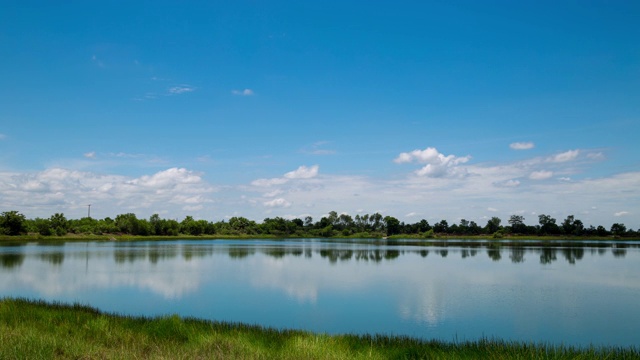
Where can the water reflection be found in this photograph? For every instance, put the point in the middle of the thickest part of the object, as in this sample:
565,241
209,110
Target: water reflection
54,258
494,253
516,254
547,255
11,260
157,252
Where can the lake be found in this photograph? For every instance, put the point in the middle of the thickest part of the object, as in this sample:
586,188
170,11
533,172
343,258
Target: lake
458,290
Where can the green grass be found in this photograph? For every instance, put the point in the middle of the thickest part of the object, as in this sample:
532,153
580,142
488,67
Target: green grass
39,330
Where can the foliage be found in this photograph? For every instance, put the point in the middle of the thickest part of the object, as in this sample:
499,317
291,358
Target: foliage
12,223
332,225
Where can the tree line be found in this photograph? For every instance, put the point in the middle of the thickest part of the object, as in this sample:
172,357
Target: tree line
332,225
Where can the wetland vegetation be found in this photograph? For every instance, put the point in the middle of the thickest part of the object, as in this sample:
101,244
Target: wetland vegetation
35,329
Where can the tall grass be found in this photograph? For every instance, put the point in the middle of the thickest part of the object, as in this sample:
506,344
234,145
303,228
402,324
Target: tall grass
39,330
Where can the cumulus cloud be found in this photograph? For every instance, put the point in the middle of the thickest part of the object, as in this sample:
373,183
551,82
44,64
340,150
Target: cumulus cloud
302,172
181,89
522,145
540,175
70,189
278,202
438,165
90,155
245,92
564,157
167,179
621,213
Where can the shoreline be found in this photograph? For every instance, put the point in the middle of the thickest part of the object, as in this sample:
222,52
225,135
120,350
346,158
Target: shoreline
39,329
443,240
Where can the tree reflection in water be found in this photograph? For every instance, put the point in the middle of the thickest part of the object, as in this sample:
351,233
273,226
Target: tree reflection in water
155,252
494,253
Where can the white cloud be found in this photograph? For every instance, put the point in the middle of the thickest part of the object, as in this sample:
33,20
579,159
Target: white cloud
303,190
564,157
597,156
522,145
621,213
245,92
273,193
438,165
90,155
567,179
181,89
508,183
65,189
3,136
303,172
540,175
278,202
269,182
167,178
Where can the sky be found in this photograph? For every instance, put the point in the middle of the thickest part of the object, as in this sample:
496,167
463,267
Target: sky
414,109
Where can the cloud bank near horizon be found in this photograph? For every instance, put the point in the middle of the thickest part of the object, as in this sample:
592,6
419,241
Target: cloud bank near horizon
452,187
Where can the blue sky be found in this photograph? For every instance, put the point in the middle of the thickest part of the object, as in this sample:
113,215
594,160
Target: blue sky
416,109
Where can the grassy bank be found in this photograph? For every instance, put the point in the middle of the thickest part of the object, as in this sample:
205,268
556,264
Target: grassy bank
37,330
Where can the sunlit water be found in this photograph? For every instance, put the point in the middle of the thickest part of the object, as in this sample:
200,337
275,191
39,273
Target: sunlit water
574,296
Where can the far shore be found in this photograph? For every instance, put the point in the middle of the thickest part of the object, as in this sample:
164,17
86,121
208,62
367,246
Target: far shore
437,240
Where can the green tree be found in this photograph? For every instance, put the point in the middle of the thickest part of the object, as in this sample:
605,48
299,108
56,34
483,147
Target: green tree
128,224
242,225
601,231
59,224
572,226
13,223
308,222
493,225
618,229
345,221
42,226
442,227
517,224
155,224
548,225
392,224
190,226
423,226
376,222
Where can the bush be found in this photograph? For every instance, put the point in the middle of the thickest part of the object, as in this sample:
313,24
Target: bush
429,234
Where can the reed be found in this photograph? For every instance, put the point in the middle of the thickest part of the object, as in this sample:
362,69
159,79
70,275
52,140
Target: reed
39,330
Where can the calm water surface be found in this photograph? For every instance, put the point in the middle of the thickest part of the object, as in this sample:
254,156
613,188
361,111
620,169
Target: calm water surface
561,295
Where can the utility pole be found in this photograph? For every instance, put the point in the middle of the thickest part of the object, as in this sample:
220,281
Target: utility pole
89,211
